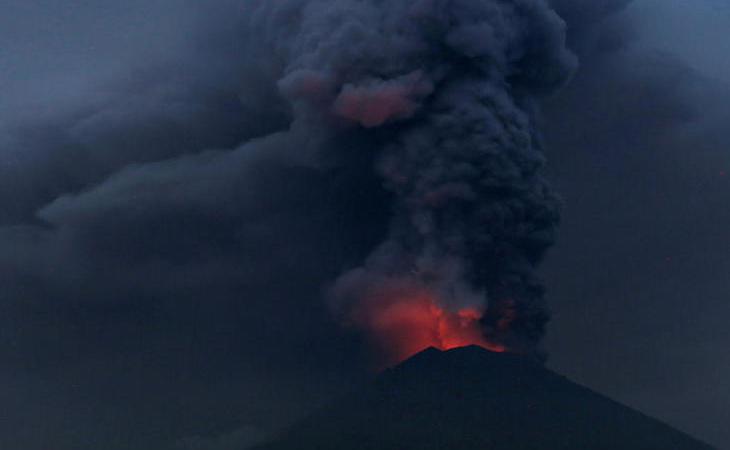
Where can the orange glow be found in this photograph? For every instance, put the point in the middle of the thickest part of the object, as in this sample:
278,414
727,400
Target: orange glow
402,322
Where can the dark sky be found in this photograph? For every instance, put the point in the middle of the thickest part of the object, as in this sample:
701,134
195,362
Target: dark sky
162,266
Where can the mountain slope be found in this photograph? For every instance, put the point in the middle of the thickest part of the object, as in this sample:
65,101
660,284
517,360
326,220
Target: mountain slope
470,398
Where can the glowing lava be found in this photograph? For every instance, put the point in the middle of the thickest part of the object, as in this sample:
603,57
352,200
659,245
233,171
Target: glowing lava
402,322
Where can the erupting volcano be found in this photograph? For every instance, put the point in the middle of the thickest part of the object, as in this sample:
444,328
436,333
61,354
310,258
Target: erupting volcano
401,322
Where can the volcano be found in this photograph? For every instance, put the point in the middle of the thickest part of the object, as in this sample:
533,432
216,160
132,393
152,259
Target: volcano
470,398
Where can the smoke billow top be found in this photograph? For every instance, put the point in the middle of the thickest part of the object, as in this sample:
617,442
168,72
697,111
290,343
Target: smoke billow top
444,94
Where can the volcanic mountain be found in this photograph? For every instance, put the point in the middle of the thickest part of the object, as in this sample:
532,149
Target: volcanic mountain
470,398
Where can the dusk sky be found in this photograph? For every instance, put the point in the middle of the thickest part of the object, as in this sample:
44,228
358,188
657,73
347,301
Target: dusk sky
180,246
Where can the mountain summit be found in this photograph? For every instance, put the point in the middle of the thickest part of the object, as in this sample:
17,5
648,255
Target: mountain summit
471,398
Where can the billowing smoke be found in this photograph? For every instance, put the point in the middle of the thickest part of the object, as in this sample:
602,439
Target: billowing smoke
445,92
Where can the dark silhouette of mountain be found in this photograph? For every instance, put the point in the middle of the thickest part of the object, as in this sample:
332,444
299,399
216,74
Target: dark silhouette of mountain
470,398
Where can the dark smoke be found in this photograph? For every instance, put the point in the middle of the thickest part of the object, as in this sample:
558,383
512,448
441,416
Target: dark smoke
446,91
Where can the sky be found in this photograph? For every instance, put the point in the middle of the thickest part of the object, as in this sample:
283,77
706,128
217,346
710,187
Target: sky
164,253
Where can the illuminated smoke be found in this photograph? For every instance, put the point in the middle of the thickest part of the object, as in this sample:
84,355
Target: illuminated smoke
401,320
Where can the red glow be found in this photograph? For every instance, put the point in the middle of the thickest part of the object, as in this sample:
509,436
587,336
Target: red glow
401,322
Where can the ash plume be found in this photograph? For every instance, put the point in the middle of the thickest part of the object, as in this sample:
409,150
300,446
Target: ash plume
446,91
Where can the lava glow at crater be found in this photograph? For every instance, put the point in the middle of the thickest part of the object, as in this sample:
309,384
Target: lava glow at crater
402,322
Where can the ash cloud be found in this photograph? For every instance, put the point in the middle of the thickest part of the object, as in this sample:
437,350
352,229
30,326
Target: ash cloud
453,87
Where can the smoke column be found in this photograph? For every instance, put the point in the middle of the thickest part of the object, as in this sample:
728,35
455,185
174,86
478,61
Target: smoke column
444,92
